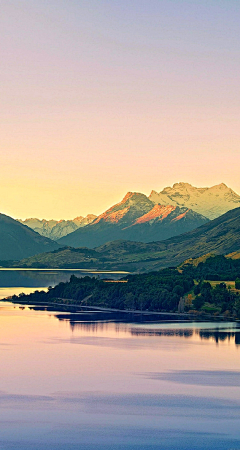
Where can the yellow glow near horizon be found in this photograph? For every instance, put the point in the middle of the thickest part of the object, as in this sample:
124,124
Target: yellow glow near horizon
98,100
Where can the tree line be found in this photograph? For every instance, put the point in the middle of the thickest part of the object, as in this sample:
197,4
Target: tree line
168,290
154,291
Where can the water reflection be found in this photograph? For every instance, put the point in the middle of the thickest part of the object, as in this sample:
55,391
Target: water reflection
220,335
175,332
216,335
69,382
216,378
129,323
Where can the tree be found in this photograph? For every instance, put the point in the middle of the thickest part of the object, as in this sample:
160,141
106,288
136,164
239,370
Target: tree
237,308
129,300
188,300
197,289
237,283
198,302
181,305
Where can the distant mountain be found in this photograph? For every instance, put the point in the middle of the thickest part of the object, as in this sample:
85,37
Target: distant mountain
54,229
64,257
210,202
220,236
135,218
17,241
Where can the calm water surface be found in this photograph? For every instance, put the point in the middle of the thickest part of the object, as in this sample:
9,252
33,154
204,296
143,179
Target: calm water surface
33,278
15,281
69,383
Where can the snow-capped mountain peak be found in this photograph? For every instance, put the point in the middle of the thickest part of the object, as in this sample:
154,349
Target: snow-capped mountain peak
55,229
210,202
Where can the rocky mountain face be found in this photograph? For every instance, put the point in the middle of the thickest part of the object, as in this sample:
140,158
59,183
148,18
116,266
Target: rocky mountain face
207,202
135,218
17,241
210,202
54,229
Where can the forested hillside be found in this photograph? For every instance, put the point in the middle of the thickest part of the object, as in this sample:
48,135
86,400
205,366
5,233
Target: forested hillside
183,289
213,268
155,291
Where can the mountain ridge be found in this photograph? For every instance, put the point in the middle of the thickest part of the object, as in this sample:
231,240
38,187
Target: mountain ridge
219,236
136,217
211,202
55,229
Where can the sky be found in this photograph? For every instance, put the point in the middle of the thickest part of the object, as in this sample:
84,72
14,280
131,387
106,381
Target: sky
103,97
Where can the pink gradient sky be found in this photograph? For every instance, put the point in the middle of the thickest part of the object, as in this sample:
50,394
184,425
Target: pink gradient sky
102,97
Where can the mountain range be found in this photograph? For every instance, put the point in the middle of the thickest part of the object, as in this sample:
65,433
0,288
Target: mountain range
219,236
160,216
168,214
210,202
135,218
54,229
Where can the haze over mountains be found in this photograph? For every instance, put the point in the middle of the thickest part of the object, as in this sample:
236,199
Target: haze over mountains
137,218
183,207
55,229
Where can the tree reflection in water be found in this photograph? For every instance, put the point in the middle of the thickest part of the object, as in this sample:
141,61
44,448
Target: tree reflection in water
94,321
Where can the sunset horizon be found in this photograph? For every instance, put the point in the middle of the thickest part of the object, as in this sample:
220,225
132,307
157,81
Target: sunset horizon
103,98
120,225
83,208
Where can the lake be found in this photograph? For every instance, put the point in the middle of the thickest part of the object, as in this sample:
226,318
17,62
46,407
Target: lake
69,382
15,281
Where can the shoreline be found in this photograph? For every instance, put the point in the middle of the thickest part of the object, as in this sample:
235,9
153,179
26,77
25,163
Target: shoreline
189,317
47,269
